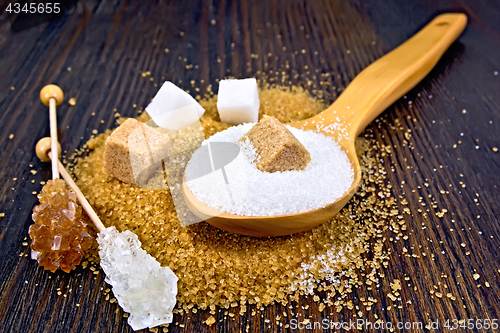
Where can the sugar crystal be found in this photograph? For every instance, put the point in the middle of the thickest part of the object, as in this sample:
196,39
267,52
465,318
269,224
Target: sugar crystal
142,287
59,235
134,151
238,101
277,149
173,108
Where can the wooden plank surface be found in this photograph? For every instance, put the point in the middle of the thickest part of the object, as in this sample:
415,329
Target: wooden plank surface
108,44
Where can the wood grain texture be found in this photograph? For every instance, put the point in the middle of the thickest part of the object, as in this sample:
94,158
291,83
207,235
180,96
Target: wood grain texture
108,45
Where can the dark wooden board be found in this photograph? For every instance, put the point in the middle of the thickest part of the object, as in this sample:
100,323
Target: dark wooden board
108,44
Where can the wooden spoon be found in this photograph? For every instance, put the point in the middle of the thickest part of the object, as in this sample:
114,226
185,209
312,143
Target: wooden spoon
370,93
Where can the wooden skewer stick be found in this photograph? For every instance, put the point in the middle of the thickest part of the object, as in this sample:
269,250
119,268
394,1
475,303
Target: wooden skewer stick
83,201
53,135
43,151
52,96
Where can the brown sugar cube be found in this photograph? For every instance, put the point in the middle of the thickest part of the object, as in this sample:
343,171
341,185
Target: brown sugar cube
133,153
277,148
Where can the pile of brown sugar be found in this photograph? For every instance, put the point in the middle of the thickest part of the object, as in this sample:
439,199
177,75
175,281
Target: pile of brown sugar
216,268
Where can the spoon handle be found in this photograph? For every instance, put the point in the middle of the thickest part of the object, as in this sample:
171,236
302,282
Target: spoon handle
390,77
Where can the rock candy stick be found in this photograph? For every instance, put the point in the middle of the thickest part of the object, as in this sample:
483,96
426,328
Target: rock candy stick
142,287
58,235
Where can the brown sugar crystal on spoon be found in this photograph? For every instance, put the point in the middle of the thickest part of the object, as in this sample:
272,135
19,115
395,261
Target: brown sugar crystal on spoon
276,147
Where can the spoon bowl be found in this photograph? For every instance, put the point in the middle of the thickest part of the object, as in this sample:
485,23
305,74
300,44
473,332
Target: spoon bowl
369,94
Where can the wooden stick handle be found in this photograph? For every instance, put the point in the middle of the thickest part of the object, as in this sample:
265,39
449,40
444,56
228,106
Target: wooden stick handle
85,204
53,136
390,77
52,96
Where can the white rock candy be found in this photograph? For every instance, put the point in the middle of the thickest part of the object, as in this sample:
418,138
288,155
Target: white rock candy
142,287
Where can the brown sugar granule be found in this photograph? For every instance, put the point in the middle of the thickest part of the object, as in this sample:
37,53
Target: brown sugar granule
210,321
276,147
133,152
216,268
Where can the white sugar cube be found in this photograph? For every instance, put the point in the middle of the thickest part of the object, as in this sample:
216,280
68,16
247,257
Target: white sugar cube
173,108
238,101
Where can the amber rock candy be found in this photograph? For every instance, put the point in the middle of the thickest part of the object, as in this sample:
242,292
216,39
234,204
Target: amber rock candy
59,235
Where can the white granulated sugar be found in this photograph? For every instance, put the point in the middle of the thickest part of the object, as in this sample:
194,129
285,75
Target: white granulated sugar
251,192
329,263
142,287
